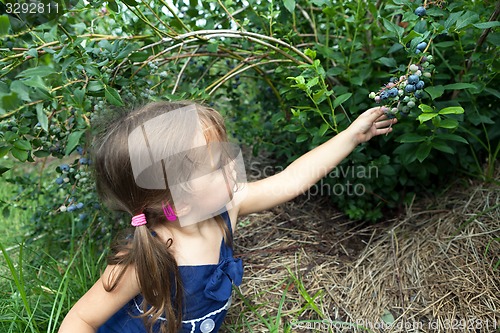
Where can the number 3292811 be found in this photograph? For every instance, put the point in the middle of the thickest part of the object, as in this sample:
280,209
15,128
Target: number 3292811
32,8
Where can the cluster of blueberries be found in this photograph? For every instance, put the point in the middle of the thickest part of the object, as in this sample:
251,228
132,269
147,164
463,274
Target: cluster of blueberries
67,173
401,94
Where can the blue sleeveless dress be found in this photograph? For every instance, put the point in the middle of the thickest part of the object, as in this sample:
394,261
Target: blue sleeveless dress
207,296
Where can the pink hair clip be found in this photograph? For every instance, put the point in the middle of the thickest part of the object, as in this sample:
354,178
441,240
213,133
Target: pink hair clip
139,220
169,212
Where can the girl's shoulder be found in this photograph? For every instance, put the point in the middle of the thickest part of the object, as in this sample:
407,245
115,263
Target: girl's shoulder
232,214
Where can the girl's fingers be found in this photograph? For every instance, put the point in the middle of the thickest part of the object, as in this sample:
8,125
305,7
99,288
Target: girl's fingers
385,123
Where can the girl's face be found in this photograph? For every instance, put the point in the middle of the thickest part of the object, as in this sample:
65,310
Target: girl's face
207,179
212,184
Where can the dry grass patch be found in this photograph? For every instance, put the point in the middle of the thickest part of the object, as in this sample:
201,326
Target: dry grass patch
434,269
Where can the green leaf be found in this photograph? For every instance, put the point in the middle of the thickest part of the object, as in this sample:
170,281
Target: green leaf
423,151
36,82
4,150
213,46
22,144
426,116
112,96
289,5
406,152
448,123
468,18
3,170
4,25
79,96
493,92
425,108
131,3
411,137
9,102
452,110
341,99
40,71
391,27
95,86
459,86
310,53
442,146
452,19
311,83
41,153
394,48
302,138
73,141
387,317
21,90
21,155
487,25
452,137
42,117
388,62
435,91
113,6
322,130
6,212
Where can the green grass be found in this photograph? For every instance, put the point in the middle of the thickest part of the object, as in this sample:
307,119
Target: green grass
13,218
41,276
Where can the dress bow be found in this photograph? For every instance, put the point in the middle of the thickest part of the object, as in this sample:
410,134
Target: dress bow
227,273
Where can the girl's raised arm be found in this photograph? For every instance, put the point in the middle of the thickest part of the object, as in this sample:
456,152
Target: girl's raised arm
98,305
308,169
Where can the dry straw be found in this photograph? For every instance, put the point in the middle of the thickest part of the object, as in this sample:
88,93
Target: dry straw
430,270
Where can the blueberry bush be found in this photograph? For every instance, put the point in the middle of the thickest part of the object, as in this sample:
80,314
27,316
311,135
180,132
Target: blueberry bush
287,75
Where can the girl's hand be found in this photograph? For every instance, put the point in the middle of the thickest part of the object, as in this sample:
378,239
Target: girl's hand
370,123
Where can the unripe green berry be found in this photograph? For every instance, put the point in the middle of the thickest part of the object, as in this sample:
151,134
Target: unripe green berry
372,95
411,104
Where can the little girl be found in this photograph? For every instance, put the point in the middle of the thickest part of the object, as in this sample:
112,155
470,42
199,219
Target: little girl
169,166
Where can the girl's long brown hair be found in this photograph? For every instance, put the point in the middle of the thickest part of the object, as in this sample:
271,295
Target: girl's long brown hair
156,268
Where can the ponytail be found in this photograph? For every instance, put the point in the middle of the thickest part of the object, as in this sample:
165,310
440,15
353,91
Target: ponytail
157,273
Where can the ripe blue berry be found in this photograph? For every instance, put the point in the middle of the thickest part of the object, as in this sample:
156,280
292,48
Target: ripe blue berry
413,79
84,161
79,150
59,180
384,95
64,167
420,85
393,92
79,205
410,88
420,11
421,46
71,208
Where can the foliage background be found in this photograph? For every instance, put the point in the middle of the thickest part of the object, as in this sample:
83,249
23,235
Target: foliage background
287,75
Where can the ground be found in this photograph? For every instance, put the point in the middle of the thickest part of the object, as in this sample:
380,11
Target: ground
434,268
